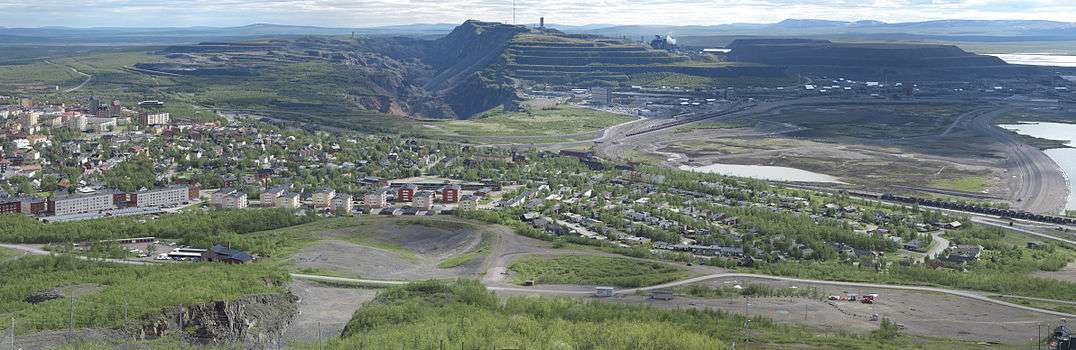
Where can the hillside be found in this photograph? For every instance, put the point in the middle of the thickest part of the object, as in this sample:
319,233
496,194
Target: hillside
825,53
925,62
477,67
552,57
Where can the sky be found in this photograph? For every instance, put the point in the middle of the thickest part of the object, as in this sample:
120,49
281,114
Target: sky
369,13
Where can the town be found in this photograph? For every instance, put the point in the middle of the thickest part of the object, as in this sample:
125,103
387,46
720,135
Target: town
806,184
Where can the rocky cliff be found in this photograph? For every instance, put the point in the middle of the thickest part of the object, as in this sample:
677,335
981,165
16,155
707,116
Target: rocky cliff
254,321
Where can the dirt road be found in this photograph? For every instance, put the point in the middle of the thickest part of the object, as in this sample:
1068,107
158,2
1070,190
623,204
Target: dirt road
1037,183
76,71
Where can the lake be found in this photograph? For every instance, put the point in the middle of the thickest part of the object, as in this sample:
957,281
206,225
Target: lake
1064,157
763,172
1037,59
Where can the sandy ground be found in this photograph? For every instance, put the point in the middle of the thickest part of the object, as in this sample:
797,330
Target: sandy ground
395,249
922,313
330,307
1020,173
1068,273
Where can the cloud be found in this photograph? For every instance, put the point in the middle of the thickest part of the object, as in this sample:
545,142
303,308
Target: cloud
362,13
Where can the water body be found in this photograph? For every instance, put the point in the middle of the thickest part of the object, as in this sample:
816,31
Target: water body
1064,157
763,172
1037,59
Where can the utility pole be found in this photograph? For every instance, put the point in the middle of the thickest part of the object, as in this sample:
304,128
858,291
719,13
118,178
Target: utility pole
126,337
12,332
513,11
71,315
319,335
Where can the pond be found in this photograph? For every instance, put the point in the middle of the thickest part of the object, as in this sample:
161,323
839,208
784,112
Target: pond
763,172
1038,59
1064,157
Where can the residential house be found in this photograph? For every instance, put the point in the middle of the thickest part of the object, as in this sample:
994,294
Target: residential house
964,253
220,253
269,196
323,198
468,202
450,194
376,199
423,200
217,199
288,200
406,193
161,197
344,203
236,200
79,203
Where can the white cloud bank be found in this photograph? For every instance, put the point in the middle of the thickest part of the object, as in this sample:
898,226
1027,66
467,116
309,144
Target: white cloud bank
365,13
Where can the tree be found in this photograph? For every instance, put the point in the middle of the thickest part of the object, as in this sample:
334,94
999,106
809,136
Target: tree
887,330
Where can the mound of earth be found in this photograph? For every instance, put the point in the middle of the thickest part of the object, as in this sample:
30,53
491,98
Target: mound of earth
395,249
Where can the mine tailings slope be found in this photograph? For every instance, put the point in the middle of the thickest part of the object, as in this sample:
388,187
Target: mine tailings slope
875,60
468,62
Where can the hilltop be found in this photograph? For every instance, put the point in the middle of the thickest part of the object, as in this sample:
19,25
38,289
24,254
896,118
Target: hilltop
477,67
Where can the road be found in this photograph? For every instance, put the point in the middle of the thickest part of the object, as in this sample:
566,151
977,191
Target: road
498,266
33,250
1038,185
938,246
559,291
76,71
1005,225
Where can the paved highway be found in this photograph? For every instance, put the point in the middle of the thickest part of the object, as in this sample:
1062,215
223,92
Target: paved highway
558,291
980,296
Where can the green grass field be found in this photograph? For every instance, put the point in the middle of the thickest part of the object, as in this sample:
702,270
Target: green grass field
966,184
1048,305
6,254
463,314
594,270
99,290
481,250
873,122
549,121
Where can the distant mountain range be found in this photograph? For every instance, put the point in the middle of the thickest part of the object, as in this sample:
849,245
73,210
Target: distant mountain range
991,28
975,30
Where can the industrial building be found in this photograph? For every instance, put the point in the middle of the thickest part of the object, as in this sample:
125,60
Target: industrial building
601,96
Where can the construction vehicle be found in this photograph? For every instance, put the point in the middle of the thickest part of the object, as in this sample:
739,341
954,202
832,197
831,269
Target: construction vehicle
1061,339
